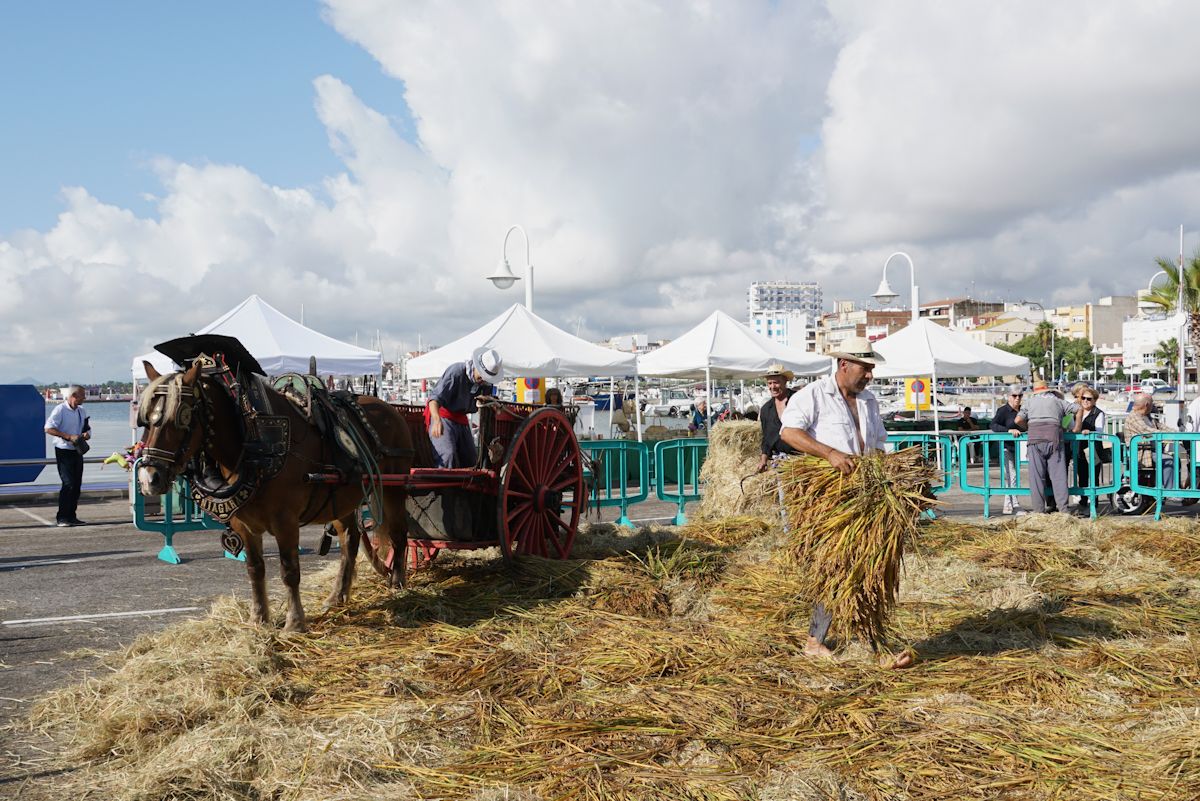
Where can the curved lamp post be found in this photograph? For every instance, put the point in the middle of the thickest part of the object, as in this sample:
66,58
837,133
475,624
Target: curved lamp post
885,294
503,278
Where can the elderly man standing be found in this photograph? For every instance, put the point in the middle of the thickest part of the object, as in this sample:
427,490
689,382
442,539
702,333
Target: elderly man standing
1005,421
1042,416
453,399
771,413
68,424
837,419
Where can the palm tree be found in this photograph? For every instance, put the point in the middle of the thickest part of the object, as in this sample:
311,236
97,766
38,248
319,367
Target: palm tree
1166,296
1167,352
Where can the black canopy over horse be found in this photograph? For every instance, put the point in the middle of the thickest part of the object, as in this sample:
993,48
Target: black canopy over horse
245,448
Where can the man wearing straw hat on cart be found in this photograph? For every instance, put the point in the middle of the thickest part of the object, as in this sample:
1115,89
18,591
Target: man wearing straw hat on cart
837,419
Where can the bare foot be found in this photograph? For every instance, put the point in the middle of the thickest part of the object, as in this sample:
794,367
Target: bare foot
814,647
898,662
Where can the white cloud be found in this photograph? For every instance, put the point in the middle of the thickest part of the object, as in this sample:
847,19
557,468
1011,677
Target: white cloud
661,156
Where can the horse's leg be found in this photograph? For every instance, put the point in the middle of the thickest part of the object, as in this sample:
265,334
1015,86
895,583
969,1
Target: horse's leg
396,532
256,569
347,530
287,537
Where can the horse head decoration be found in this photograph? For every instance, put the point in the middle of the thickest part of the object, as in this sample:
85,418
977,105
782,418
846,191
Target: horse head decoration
246,449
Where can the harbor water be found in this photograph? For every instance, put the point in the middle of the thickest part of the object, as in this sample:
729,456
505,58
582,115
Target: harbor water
110,434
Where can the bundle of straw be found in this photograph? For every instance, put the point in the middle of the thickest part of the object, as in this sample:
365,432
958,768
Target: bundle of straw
848,533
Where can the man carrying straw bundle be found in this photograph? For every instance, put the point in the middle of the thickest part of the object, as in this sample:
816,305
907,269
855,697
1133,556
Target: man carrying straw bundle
837,419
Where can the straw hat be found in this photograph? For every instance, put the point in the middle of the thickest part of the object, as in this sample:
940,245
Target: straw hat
1040,385
857,349
778,370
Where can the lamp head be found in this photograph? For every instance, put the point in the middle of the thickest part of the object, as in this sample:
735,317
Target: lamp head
884,294
503,278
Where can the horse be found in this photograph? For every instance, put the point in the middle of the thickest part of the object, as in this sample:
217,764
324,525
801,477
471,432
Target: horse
193,420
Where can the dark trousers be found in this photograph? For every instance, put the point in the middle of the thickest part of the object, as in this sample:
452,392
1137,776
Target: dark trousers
819,623
70,472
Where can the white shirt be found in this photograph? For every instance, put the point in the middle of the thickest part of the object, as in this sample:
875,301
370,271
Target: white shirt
1194,415
68,421
821,412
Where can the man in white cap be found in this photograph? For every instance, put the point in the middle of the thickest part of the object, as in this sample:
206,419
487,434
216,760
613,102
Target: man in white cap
453,399
837,419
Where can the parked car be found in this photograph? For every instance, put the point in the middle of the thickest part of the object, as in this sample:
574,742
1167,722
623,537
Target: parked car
675,402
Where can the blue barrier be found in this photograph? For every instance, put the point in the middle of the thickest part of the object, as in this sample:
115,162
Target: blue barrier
22,436
611,463
1169,453
686,456
992,443
179,513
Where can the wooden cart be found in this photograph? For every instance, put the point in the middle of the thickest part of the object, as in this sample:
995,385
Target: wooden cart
525,492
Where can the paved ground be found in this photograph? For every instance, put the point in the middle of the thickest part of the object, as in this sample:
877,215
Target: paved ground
98,587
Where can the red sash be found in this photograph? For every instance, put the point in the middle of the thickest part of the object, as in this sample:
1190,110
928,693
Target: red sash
443,412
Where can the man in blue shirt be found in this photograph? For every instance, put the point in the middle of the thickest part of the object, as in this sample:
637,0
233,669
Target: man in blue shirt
453,399
68,425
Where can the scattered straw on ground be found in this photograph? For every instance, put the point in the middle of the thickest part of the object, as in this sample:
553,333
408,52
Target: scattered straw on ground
1057,659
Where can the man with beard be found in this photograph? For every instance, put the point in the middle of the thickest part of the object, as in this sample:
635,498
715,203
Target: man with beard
837,419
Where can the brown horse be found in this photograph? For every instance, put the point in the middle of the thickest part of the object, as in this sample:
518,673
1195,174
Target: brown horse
190,415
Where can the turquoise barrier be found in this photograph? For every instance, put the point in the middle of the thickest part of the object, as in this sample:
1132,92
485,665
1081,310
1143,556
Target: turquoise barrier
1174,457
685,456
612,463
179,513
989,482
936,448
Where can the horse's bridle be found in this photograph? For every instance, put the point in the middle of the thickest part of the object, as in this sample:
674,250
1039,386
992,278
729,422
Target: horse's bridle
183,404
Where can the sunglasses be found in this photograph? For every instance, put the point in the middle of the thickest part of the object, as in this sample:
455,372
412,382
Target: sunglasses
1087,398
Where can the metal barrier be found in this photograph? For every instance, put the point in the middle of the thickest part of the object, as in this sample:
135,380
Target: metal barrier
611,463
179,513
1171,451
936,448
686,456
992,445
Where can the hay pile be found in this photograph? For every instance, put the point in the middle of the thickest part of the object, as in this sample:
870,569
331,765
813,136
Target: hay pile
732,485
849,533
671,667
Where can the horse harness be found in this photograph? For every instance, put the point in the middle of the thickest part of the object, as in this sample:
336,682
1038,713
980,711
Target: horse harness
266,436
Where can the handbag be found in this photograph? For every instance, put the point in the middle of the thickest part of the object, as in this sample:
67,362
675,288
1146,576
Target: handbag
82,446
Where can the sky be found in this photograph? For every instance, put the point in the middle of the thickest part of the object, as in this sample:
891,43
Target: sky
363,159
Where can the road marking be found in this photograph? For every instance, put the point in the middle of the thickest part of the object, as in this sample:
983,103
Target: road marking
33,621
36,563
38,518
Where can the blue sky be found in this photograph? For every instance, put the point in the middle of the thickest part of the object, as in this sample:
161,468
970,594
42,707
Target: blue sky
92,92
661,155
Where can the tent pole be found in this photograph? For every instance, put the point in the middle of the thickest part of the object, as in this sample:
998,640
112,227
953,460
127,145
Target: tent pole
708,400
637,403
612,391
742,397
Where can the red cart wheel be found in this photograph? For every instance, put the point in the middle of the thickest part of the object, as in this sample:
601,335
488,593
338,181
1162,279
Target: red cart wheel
541,489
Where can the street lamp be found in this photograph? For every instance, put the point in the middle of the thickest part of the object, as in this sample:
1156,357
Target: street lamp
503,278
885,294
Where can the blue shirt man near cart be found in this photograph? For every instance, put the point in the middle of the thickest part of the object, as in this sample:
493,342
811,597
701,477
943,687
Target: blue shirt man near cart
453,399
68,425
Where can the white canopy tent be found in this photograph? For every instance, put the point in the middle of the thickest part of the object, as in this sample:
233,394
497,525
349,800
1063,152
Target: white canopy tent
926,348
722,347
279,343
529,346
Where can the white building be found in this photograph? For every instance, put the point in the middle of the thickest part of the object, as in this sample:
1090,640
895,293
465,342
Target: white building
785,296
1141,336
630,343
791,329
